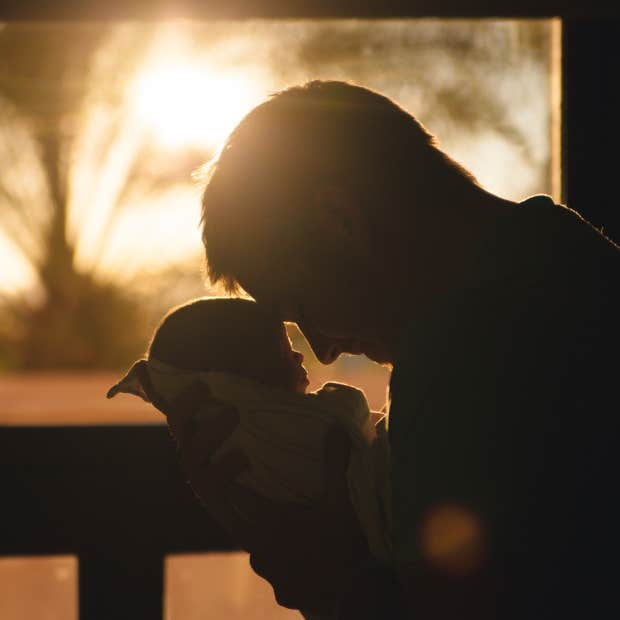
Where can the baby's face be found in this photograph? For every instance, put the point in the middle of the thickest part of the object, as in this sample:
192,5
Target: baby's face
293,360
283,367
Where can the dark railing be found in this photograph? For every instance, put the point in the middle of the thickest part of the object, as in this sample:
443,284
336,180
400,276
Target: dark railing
112,495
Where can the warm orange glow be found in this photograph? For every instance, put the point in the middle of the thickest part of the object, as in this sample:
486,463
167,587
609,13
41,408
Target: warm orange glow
17,273
451,539
39,587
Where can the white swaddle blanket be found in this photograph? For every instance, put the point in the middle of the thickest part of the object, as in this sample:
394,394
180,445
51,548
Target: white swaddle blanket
282,434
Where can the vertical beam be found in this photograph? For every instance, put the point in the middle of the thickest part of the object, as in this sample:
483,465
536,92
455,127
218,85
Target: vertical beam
127,586
591,122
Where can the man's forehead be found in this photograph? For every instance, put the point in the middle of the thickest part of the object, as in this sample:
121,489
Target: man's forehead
277,308
271,298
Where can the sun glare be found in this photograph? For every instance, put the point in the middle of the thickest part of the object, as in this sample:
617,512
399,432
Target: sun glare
185,105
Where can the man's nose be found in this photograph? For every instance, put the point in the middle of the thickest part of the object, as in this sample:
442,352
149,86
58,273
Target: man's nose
298,357
329,354
325,349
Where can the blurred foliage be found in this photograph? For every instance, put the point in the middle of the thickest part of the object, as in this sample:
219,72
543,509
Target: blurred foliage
96,325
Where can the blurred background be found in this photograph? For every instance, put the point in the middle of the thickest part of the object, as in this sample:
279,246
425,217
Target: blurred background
102,127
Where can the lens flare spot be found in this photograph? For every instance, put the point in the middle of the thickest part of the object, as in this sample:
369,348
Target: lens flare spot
451,539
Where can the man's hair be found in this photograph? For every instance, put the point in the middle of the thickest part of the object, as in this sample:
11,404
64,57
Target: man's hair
214,334
260,188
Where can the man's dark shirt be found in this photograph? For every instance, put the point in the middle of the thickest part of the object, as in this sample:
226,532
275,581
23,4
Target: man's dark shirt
503,423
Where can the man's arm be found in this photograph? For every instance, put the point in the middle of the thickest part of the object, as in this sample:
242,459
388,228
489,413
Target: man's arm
315,559
308,554
414,592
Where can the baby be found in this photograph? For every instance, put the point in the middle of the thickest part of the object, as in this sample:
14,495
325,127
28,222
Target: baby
245,358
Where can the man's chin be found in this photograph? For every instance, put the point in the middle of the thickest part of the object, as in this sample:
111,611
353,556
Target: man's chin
376,353
379,359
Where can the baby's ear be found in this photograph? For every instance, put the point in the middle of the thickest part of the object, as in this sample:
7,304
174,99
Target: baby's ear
133,382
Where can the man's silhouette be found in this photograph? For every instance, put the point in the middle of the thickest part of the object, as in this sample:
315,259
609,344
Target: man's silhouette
336,209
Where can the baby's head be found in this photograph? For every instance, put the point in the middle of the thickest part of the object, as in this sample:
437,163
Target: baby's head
229,335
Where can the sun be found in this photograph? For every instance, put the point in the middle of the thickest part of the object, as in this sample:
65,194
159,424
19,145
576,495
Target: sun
192,105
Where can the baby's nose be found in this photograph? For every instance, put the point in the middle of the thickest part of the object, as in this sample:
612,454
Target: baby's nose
299,358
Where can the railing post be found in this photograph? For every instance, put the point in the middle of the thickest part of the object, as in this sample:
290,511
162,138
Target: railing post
117,585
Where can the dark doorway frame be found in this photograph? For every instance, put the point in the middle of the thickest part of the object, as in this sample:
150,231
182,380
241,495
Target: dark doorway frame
64,484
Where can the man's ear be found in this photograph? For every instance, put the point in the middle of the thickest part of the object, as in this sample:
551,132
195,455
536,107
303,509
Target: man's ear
340,218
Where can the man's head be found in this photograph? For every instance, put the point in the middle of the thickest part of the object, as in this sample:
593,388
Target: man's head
313,207
229,335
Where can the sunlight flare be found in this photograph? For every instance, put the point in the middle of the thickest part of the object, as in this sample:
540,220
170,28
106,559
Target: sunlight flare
191,105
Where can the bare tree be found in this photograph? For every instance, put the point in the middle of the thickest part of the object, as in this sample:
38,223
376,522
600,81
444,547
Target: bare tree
66,142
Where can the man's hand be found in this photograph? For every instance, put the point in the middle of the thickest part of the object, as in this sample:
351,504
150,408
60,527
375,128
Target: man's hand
308,554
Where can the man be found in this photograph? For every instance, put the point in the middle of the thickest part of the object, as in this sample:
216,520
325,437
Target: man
337,210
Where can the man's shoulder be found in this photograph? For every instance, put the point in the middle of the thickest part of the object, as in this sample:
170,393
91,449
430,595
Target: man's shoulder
571,237
552,321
